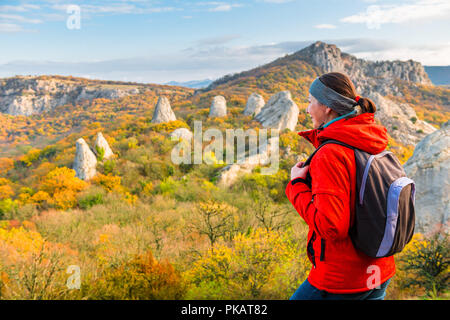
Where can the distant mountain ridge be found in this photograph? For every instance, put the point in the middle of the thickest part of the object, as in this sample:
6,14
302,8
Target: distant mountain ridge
194,84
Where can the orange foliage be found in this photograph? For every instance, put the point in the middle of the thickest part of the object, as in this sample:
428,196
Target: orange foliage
6,164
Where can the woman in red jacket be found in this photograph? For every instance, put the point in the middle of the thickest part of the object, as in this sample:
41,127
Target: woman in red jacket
339,270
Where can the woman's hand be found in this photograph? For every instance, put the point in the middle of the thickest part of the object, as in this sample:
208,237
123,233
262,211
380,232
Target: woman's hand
298,172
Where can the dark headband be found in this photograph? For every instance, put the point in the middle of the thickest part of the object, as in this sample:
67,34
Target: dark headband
332,99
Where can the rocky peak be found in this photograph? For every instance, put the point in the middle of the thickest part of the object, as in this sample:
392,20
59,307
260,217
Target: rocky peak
365,74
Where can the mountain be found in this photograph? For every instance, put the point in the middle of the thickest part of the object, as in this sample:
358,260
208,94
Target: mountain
194,84
439,75
367,75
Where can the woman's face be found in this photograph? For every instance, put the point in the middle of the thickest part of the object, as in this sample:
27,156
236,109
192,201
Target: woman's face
318,112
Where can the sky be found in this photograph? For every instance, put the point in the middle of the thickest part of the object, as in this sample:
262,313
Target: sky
153,41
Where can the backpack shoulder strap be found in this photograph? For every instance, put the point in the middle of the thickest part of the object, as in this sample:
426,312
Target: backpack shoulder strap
307,162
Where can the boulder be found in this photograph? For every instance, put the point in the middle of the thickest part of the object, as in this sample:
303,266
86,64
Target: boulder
163,112
280,112
230,173
254,104
181,133
218,107
429,167
100,142
85,161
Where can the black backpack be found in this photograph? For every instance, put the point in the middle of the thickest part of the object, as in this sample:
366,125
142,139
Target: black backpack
384,212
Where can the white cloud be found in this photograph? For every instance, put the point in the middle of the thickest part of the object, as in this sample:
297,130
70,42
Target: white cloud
224,7
377,15
214,61
276,1
19,8
217,40
18,18
430,55
325,26
10,27
116,9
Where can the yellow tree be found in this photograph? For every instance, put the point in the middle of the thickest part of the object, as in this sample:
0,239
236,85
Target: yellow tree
62,185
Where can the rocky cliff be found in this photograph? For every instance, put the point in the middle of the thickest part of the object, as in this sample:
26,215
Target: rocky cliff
26,95
400,120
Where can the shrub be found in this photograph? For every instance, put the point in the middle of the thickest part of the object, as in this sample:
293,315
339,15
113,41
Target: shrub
272,185
167,186
109,166
7,207
109,182
426,262
142,277
91,198
100,153
258,265
157,170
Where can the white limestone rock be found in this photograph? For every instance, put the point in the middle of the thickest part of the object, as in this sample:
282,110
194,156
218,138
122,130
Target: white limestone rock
400,120
229,174
218,107
429,167
181,133
100,142
163,111
254,104
85,161
280,112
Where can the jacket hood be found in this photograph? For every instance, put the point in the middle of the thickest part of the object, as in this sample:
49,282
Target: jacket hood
360,132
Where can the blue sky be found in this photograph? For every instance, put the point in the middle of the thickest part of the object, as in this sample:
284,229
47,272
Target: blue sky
159,41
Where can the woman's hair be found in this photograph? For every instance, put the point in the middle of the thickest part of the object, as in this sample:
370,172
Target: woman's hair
342,84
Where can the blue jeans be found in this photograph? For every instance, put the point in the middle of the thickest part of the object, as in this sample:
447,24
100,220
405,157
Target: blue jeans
307,292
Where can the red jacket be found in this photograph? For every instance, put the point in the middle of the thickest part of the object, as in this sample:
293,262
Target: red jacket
328,207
